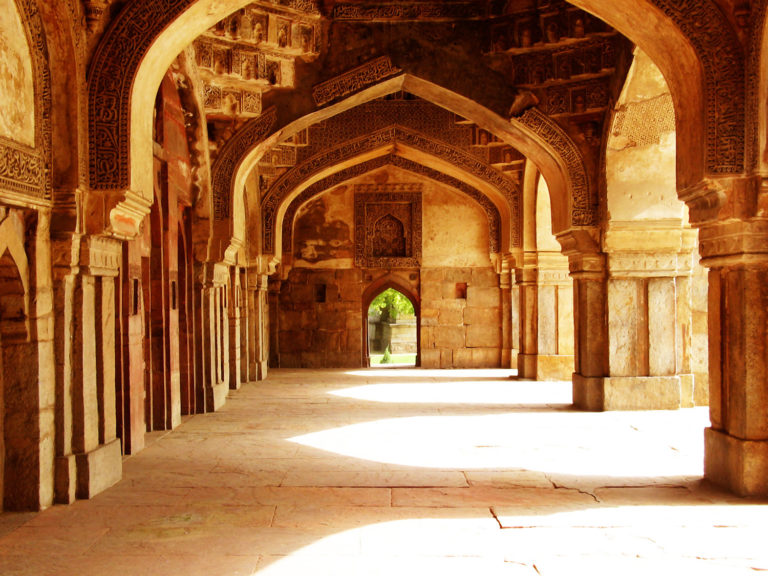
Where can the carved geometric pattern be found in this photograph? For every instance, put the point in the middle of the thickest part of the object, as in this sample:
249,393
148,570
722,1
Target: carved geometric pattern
236,148
722,58
388,225
456,157
754,73
643,123
409,10
492,213
583,211
113,69
353,80
22,169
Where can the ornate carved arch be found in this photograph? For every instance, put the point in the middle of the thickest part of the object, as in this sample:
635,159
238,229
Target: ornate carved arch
722,58
492,213
223,172
113,68
292,179
26,170
582,206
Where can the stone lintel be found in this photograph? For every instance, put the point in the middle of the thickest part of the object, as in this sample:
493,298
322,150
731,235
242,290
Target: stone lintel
738,465
99,469
627,393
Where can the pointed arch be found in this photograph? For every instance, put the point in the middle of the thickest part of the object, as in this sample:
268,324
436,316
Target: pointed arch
377,287
498,239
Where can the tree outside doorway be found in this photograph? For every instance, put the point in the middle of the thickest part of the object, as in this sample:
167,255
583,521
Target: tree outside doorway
392,329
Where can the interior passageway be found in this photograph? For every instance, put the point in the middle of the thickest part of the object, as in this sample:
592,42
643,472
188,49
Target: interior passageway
403,471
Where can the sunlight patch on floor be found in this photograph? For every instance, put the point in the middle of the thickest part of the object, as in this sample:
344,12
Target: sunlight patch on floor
463,392
572,443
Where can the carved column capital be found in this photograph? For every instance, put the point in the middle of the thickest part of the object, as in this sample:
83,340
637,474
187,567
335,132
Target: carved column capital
734,243
100,255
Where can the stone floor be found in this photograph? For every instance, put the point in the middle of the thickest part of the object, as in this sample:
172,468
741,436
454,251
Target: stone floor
403,472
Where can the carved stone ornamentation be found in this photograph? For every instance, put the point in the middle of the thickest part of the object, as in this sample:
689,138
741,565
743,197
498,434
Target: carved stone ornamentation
292,179
759,14
722,58
388,225
409,11
583,209
23,169
354,80
223,172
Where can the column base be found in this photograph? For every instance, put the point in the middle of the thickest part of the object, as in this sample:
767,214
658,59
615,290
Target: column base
65,479
99,469
216,396
627,393
545,366
740,466
263,368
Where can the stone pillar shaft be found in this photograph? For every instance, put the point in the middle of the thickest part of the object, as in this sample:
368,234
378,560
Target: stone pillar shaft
736,454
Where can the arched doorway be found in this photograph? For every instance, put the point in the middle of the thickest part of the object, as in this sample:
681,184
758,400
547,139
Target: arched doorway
392,330
390,293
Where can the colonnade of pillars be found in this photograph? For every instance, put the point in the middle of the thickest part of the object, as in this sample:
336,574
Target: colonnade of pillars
102,379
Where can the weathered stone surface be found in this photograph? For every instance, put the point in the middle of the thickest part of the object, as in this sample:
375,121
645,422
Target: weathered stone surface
479,297
483,336
450,337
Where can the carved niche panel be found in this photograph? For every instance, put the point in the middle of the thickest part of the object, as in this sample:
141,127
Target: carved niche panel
25,132
388,225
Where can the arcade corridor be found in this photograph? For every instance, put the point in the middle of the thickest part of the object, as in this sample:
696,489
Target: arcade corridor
403,472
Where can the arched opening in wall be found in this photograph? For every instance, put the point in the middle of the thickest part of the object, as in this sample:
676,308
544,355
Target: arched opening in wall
390,303
15,413
392,330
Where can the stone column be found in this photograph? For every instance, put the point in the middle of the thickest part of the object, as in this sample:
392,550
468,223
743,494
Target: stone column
546,318
505,285
736,445
245,335
633,320
587,268
263,326
212,325
649,318
94,439
234,315
26,361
